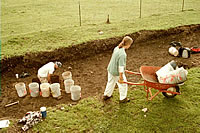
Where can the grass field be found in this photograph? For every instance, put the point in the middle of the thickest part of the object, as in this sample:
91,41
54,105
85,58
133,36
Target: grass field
179,114
44,25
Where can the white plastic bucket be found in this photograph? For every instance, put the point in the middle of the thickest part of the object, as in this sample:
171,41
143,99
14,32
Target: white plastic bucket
21,89
68,83
186,53
173,51
45,89
55,89
67,75
34,89
75,92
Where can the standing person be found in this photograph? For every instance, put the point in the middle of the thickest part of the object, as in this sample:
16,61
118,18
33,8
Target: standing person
44,73
116,69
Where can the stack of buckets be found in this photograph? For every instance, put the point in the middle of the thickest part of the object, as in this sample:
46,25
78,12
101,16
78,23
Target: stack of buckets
75,90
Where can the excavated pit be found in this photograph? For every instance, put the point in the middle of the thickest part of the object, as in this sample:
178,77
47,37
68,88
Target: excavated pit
88,62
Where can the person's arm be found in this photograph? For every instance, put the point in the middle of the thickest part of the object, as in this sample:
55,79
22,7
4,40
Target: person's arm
121,71
121,78
51,70
49,77
122,64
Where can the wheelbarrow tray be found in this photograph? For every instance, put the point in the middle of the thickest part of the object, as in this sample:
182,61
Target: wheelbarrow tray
148,73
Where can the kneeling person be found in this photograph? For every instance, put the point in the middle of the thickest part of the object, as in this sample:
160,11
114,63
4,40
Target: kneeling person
44,73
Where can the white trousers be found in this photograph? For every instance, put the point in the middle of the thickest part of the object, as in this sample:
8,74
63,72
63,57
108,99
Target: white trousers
112,80
43,79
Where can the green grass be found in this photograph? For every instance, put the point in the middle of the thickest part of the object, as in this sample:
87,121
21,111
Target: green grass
39,25
179,114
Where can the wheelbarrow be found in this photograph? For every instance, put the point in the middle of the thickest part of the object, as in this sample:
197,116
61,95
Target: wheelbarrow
148,73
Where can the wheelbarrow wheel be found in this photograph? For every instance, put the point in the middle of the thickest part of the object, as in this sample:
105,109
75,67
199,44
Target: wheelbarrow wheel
170,95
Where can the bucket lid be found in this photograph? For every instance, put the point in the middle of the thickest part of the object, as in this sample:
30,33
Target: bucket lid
75,88
69,81
55,85
44,84
67,73
33,84
20,84
43,109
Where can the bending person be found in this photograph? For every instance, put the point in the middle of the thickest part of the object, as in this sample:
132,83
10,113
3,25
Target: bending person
44,73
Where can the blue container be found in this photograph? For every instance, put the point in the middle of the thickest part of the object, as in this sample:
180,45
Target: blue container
43,112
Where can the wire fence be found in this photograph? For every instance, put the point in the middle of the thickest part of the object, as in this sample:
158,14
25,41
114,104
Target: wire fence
28,16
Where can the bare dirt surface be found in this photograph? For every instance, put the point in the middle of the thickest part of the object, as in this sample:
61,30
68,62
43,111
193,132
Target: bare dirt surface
88,63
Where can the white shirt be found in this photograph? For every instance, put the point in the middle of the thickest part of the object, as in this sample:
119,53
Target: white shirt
44,70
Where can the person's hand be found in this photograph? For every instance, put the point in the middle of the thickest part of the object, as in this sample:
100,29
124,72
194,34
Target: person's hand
121,81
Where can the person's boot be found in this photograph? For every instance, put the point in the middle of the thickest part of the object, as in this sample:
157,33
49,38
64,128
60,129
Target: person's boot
124,100
106,97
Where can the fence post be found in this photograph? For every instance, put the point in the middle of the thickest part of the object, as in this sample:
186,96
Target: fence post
183,5
80,12
108,20
140,8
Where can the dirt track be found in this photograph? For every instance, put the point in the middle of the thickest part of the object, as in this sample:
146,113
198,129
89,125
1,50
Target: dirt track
89,62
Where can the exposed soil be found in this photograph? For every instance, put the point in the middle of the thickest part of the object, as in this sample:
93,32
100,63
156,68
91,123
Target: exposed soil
88,63
55,79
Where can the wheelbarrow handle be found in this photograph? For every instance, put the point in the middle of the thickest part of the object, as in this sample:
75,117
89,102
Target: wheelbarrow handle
131,83
130,72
